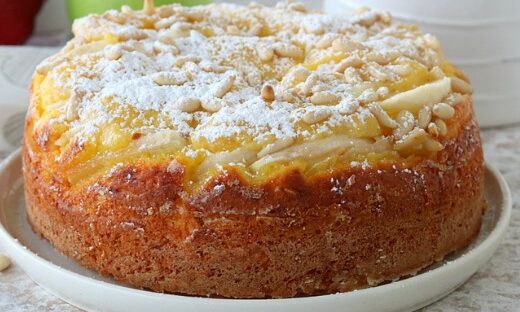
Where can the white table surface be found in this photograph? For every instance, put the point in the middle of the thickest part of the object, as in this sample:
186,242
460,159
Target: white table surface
495,287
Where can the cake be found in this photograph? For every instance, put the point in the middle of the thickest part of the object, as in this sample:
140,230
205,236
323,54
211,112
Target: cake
250,151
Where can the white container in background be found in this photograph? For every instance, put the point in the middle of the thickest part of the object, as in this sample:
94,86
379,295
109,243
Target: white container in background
481,37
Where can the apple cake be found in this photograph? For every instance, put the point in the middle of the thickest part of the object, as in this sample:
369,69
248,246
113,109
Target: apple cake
251,151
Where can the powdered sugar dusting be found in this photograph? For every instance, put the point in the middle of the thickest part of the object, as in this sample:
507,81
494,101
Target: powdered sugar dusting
199,71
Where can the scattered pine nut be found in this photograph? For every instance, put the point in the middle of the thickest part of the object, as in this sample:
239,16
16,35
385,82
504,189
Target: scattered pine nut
310,82
345,45
314,116
291,51
382,116
265,53
424,117
188,104
351,61
113,52
5,262
461,86
267,93
433,145
223,87
443,111
441,125
413,138
324,98
168,79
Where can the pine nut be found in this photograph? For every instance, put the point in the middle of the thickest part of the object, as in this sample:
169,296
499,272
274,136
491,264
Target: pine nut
368,96
133,35
431,41
116,18
366,21
424,117
113,52
378,72
325,42
166,39
405,123
300,73
456,98
72,109
256,29
188,104
352,61
212,104
352,76
192,15
167,22
211,67
433,145
461,86
5,262
313,28
160,47
310,82
223,87
441,125
345,45
181,60
402,69
382,92
379,58
265,53
316,115
254,78
233,30
294,76
291,51
347,107
267,93
289,96
382,116
413,138
433,130
180,30
165,11
443,111
324,98
437,73
276,146
168,79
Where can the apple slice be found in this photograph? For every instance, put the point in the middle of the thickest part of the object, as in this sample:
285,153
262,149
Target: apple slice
313,149
413,100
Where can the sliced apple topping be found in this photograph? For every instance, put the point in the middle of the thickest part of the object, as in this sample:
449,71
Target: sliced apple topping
415,99
313,149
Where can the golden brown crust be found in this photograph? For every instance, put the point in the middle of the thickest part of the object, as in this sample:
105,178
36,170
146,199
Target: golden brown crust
290,236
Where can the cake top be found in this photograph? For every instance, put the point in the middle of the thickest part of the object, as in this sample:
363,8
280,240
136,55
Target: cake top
247,85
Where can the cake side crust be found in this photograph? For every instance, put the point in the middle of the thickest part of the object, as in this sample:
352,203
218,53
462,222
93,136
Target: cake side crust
291,236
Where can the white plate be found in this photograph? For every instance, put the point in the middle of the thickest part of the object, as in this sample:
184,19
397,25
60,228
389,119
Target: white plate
88,290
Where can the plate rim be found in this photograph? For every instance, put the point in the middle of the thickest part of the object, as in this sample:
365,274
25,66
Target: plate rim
496,235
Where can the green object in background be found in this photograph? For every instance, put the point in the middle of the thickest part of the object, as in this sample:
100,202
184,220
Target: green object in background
79,8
